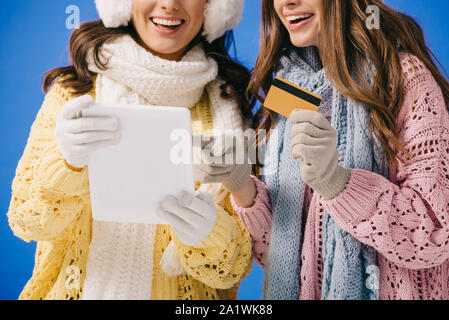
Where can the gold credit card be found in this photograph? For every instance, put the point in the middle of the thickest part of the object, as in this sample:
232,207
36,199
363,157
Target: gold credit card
284,97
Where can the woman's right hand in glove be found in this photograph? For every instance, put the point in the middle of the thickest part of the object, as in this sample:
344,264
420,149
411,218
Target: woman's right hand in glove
219,161
78,136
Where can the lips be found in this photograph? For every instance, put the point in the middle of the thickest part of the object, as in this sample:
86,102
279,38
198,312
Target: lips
299,18
167,25
295,22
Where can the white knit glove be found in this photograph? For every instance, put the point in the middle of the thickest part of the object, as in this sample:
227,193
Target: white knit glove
192,217
314,141
78,136
219,162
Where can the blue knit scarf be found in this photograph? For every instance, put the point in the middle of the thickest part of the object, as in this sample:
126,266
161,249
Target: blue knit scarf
349,267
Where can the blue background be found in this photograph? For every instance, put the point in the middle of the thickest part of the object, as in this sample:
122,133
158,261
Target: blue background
35,39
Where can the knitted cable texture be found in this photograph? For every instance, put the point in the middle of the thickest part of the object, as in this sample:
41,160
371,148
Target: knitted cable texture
257,218
405,218
258,221
120,263
50,204
113,277
154,78
345,258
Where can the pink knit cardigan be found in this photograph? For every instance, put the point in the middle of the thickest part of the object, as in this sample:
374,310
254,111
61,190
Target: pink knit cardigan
405,218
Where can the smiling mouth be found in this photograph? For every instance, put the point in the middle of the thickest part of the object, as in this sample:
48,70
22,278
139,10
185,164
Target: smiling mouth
168,24
299,18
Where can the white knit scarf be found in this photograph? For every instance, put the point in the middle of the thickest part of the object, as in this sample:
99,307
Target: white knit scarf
120,262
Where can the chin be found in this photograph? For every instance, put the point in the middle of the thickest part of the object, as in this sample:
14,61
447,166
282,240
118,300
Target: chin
302,43
164,48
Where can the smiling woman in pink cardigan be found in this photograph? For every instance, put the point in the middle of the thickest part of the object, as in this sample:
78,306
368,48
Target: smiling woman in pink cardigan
403,215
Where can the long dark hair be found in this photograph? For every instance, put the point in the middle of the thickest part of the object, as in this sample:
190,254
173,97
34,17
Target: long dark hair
92,35
346,43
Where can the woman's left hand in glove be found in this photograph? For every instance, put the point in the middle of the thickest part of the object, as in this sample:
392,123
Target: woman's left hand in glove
192,217
314,141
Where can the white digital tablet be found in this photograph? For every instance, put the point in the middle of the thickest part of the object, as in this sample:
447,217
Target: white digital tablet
153,159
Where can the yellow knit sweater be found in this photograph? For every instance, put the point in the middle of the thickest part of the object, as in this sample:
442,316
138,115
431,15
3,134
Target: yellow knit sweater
50,204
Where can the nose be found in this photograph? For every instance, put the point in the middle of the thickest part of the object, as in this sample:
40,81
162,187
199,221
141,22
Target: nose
169,5
288,3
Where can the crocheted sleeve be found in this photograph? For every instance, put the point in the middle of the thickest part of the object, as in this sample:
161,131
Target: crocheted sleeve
47,194
257,220
224,257
407,221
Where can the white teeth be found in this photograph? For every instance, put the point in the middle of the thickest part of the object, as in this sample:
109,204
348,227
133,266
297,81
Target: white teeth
304,16
165,22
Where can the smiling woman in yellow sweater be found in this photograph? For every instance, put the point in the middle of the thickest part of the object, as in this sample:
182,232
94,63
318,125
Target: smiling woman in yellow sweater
155,53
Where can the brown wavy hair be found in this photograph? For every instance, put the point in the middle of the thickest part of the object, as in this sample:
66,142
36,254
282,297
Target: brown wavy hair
346,45
92,35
